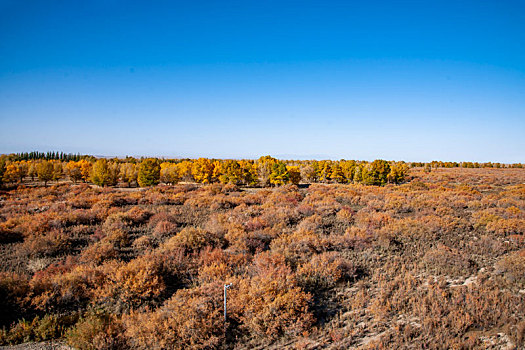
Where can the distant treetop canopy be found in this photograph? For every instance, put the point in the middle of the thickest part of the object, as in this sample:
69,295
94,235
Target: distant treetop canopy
265,171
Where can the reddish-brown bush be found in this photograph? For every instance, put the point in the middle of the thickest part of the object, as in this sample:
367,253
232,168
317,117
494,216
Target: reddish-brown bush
190,319
270,304
323,271
513,268
131,285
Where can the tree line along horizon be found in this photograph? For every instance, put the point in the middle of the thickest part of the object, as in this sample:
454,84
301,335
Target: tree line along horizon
265,171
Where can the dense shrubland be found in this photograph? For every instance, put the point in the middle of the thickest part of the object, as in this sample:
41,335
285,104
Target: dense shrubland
436,262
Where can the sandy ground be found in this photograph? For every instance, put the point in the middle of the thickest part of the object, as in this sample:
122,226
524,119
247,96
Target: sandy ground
48,345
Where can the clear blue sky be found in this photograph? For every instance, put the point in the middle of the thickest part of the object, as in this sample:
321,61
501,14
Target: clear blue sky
404,80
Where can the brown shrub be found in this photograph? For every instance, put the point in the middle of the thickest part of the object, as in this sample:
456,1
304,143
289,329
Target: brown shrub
98,252
131,285
9,236
117,237
137,216
164,228
217,265
506,226
39,329
270,304
97,331
193,239
447,261
115,221
13,290
513,268
346,215
161,216
297,247
311,223
192,318
64,288
81,217
51,243
323,271
143,243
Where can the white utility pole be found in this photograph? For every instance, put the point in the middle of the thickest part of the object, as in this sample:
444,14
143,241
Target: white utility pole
226,287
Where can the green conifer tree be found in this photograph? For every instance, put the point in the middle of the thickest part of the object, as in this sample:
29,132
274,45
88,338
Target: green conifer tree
149,172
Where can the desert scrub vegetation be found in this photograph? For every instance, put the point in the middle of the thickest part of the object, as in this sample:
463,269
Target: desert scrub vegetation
437,262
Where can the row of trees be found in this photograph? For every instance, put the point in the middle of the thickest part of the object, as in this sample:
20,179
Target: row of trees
35,155
266,171
439,164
